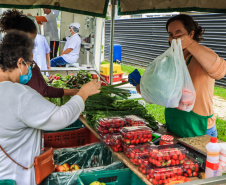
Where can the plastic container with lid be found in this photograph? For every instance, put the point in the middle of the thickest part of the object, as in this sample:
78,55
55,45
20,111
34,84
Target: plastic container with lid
111,122
116,143
190,167
167,155
138,151
222,160
160,175
143,164
136,135
133,120
109,130
212,161
126,149
166,140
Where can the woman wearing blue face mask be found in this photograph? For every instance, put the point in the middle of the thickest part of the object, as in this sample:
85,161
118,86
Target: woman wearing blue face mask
24,112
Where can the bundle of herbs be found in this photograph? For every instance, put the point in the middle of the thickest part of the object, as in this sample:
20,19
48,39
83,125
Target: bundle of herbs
104,105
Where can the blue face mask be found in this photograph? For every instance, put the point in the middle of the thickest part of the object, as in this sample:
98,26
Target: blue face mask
25,78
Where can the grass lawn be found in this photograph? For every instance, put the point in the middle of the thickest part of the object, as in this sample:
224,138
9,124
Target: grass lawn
158,111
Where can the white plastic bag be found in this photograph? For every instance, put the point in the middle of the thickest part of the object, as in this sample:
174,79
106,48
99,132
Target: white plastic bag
187,100
163,79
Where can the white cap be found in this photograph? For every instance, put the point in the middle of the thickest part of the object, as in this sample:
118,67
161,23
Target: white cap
75,24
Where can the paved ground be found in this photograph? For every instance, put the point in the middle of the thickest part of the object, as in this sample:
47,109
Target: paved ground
219,107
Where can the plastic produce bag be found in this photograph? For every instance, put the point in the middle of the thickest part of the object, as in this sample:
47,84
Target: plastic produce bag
162,81
187,100
89,158
167,82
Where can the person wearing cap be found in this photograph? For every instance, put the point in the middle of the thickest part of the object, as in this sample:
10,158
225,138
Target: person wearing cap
50,29
71,49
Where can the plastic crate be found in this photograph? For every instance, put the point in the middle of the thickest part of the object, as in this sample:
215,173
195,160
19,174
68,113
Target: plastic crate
111,177
74,126
116,77
105,69
74,138
7,182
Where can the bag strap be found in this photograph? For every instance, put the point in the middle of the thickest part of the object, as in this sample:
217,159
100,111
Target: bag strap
15,161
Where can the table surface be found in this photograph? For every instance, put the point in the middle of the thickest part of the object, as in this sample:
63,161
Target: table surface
121,155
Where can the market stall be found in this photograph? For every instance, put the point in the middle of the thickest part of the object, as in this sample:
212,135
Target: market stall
135,7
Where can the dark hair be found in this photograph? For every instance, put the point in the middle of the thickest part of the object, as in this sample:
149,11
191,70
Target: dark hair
189,25
13,19
15,44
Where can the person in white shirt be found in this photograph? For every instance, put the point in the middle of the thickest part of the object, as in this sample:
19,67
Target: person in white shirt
50,29
71,49
41,52
24,112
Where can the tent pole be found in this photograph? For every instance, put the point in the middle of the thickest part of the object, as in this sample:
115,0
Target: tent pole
112,41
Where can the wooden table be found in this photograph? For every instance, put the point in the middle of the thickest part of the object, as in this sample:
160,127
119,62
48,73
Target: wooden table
121,155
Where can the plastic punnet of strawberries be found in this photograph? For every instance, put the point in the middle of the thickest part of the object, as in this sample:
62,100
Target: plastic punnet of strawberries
133,120
139,151
136,135
116,143
191,167
167,155
162,175
110,125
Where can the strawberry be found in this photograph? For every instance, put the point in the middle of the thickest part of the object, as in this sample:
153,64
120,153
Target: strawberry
145,140
189,171
162,176
144,171
154,182
167,174
133,142
192,166
120,149
175,157
160,182
194,174
137,141
177,162
157,176
173,162
148,177
196,167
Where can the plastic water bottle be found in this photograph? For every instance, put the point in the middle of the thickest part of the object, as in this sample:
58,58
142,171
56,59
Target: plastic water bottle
212,161
222,160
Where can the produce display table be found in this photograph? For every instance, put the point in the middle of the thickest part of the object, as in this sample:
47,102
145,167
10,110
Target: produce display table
121,155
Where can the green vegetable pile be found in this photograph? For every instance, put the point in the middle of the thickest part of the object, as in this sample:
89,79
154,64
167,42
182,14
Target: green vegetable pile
104,105
69,82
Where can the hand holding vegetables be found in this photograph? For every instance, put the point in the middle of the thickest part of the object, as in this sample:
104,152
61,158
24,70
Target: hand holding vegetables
89,89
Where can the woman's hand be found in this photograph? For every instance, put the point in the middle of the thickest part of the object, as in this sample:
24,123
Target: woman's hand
89,89
186,41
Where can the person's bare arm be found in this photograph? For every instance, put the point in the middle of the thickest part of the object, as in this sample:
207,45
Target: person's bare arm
66,51
48,60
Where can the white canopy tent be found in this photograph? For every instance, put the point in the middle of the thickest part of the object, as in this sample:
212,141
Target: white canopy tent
98,8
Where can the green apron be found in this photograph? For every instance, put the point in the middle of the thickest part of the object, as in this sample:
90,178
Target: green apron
186,124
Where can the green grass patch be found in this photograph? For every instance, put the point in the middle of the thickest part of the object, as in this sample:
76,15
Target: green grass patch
219,91
221,129
157,111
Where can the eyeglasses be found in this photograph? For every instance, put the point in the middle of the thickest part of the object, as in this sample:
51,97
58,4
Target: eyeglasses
32,63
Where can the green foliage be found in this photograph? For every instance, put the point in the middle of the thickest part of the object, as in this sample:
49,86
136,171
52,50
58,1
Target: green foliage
221,92
221,129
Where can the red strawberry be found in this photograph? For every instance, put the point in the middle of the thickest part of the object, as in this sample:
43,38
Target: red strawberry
173,162
177,162
162,176
189,171
196,167
137,141
175,157
194,174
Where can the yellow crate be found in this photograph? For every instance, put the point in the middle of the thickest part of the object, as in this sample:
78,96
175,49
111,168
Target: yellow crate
104,69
